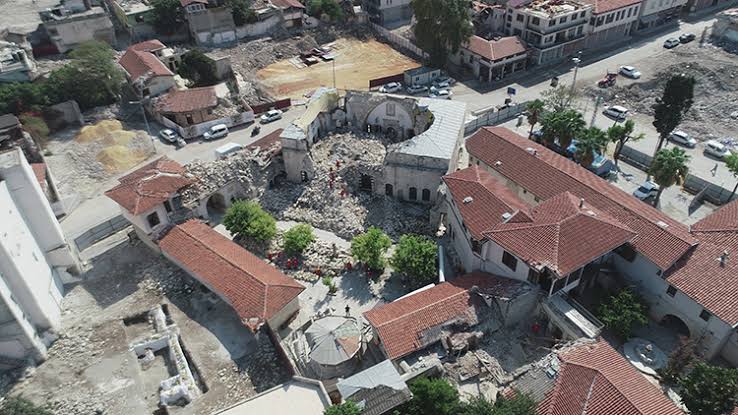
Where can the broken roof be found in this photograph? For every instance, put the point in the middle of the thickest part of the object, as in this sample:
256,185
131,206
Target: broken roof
150,185
148,45
256,290
413,322
563,234
439,140
606,6
596,379
546,174
375,390
187,100
495,49
140,63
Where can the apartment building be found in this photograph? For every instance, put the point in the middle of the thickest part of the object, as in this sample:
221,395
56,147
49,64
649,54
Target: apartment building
656,13
552,29
210,21
388,11
611,21
70,24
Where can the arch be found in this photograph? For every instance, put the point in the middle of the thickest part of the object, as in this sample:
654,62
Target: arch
216,205
377,113
426,195
388,190
366,183
390,133
675,323
413,193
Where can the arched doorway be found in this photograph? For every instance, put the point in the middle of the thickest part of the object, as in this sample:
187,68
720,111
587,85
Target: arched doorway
426,195
675,323
216,206
366,183
413,194
388,190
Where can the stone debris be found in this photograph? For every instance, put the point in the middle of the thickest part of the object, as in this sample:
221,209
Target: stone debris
243,168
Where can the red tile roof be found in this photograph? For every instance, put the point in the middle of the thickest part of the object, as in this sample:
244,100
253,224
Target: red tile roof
187,100
562,236
148,46
39,170
596,380
605,6
546,174
481,200
286,4
408,324
496,49
149,185
270,142
700,274
256,290
139,63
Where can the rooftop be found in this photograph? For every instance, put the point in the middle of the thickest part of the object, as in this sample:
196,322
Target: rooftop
187,100
286,4
149,186
298,396
495,49
439,140
605,6
256,290
376,390
549,8
138,62
546,174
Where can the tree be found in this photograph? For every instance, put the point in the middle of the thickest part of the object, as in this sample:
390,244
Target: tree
370,248
17,405
166,15
346,408
620,134
623,312
441,26
562,127
710,390
239,10
673,104
535,112
247,219
297,238
560,98
416,256
731,162
519,404
431,396
317,8
670,166
590,142
679,360
198,68
17,97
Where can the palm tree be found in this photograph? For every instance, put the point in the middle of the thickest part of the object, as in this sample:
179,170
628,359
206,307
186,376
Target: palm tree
731,162
591,141
564,126
535,112
670,166
621,134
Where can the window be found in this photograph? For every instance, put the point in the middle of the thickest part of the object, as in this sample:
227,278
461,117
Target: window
533,276
152,219
519,17
476,248
580,30
626,252
168,206
671,291
388,189
426,195
509,260
582,14
536,21
563,19
609,18
189,119
413,193
573,277
558,284
509,17
391,109
705,315
146,92
551,22
629,12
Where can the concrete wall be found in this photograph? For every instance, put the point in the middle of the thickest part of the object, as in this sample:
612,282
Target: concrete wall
259,28
730,349
390,114
649,7
73,31
18,337
159,85
140,221
212,26
284,314
404,171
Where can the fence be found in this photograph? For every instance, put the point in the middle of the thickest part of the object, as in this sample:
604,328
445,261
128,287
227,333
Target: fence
282,103
492,117
399,42
373,83
100,231
198,129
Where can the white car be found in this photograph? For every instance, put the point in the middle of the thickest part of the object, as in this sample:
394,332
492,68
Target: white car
216,131
671,42
716,149
416,89
646,190
390,87
440,94
630,72
168,135
616,112
441,84
271,115
682,138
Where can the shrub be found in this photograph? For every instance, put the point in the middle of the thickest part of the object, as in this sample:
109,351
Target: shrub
623,312
248,219
16,405
679,360
710,390
346,408
416,256
370,248
198,68
431,396
297,238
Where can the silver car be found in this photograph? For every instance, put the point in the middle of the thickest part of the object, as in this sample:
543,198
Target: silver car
682,138
716,149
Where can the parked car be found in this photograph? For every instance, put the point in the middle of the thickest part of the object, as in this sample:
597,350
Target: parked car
227,149
716,149
440,94
271,115
630,72
616,112
441,84
646,190
671,42
687,37
416,89
390,87
168,135
682,138
216,131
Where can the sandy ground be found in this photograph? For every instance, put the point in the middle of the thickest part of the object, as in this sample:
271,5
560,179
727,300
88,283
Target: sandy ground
356,63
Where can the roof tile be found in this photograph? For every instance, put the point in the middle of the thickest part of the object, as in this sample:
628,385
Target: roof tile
187,100
496,48
139,63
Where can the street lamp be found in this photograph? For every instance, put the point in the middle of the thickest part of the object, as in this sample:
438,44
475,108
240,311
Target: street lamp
577,60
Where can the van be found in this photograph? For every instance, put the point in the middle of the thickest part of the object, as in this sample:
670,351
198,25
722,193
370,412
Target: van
716,149
226,150
216,131
616,112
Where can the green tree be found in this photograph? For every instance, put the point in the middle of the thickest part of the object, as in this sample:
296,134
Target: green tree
330,8
166,15
674,103
17,97
16,405
623,312
562,127
416,256
519,404
370,248
560,98
535,112
346,408
591,141
441,26
198,68
680,359
431,396
710,390
670,166
239,10
731,162
246,219
620,134
297,238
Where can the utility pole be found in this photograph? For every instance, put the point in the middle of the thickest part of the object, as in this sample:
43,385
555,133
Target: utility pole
577,60
146,120
334,72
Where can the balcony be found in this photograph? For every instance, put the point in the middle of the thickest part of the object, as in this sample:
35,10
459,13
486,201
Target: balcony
571,318
545,30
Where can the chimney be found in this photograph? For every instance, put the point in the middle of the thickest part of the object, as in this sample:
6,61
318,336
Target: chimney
581,203
724,258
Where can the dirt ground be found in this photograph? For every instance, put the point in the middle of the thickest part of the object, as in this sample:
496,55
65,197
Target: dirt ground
91,370
357,61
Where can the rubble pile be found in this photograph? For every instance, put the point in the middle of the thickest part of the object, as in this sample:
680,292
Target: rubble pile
243,168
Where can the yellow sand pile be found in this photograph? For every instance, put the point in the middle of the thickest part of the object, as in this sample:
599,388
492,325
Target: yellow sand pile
119,158
98,131
115,156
